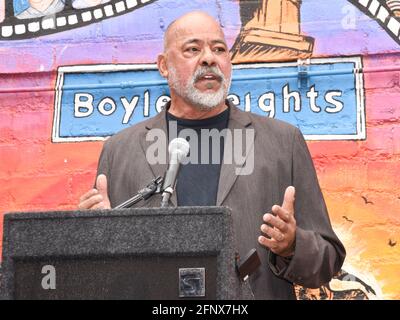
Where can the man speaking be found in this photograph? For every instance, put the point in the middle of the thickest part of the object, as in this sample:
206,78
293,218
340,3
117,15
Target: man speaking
276,201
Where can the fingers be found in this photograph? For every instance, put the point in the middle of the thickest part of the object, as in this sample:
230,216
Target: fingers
288,199
282,213
101,185
270,243
278,242
276,222
96,198
90,202
99,206
273,233
280,226
88,194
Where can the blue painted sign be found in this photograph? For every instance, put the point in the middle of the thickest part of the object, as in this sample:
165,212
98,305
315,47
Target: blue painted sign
323,98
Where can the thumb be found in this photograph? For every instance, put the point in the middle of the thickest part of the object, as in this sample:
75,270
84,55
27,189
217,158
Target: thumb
101,186
288,199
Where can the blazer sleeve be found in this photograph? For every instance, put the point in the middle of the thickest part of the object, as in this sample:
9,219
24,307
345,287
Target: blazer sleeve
319,254
104,165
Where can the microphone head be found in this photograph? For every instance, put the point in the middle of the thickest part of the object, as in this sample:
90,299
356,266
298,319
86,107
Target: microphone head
178,149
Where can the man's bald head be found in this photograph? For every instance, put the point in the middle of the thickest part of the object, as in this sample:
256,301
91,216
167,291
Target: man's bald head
196,62
177,27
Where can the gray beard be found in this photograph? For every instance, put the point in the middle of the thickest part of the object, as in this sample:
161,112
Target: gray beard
201,100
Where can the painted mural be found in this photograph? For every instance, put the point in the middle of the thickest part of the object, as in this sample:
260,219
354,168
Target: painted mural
31,18
76,71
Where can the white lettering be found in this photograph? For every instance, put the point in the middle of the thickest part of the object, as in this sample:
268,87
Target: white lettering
270,108
129,108
49,280
313,95
286,99
102,105
157,151
247,102
234,99
329,97
146,104
87,105
161,102
349,21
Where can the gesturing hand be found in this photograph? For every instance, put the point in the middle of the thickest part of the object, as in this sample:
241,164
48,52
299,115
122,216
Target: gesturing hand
282,226
96,198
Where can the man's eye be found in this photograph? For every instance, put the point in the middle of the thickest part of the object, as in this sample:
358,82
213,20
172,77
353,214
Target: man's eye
192,49
220,49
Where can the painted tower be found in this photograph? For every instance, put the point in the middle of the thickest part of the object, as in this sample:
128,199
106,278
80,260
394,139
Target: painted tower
273,33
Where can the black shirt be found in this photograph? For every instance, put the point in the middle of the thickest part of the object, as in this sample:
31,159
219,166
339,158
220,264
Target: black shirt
197,183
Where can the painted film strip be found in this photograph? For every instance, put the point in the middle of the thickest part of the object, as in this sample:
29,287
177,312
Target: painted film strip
69,18
385,12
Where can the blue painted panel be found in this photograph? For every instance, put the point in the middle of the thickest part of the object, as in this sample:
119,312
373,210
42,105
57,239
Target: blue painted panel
95,104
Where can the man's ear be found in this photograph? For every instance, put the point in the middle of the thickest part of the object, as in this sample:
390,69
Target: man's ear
162,65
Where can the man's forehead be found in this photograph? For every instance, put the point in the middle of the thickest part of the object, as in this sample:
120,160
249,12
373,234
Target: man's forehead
195,25
192,34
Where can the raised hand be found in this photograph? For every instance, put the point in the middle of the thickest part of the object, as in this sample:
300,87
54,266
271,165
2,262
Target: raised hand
280,227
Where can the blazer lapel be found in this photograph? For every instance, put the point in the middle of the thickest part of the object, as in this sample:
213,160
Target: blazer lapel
158,122
240,121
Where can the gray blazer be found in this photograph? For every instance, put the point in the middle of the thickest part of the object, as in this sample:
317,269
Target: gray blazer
281,159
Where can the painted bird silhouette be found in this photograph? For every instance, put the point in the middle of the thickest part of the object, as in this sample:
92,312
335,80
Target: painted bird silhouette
366,200
347,219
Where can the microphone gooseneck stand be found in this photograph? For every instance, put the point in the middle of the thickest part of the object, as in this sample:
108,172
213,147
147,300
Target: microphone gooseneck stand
152,188
177,148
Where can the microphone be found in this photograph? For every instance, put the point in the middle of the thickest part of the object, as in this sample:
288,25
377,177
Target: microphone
178,149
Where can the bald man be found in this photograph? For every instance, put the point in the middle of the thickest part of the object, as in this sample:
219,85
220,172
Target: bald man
277,206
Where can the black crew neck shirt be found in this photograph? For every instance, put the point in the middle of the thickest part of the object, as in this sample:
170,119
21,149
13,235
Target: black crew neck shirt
197,183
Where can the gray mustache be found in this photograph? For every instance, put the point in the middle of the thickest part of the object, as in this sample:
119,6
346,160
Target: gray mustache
202,71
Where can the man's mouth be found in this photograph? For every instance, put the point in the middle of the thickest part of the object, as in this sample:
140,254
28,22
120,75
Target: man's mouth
210,77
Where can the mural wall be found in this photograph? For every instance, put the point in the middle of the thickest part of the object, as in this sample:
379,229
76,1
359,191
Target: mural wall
74,72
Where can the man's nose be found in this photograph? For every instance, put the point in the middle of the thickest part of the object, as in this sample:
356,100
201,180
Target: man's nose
208,58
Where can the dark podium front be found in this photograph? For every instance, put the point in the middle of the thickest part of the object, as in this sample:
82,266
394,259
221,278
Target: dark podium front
172,253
